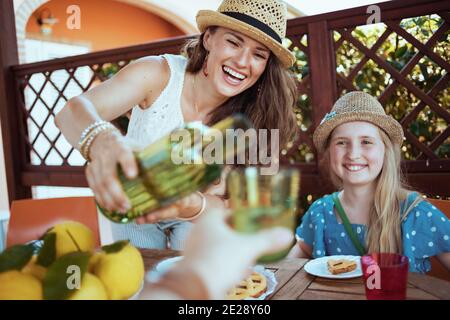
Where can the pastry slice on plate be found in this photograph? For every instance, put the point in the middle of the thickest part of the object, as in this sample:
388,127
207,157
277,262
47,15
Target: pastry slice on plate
340,266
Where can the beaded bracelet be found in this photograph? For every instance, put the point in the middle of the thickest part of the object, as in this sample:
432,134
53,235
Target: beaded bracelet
86,144
86,131
89,139
198,213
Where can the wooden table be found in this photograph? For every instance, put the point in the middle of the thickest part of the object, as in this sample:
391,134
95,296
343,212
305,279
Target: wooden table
295,284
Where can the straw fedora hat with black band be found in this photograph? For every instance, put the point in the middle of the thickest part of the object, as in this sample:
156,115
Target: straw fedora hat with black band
356,106
261,20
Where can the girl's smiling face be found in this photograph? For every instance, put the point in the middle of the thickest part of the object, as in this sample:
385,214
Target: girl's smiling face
356,153
235,61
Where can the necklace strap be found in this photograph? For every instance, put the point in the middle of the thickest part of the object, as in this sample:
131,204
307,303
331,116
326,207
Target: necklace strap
347,226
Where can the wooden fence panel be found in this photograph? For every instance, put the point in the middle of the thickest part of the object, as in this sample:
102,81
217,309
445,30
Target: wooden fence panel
317,39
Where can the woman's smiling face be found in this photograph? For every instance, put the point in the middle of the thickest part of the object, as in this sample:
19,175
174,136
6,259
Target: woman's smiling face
356,153
235,61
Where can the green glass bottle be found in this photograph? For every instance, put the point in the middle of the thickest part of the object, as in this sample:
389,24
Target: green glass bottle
175,165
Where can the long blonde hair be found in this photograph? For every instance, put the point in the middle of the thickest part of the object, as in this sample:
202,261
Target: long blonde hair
391,191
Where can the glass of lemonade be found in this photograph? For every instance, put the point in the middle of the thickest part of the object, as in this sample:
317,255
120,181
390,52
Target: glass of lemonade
263,201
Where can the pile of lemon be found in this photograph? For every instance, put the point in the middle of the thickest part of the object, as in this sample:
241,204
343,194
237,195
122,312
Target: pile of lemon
68,267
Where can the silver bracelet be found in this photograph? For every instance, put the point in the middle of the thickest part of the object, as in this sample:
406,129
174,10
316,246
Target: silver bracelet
89,128
198,213
86,144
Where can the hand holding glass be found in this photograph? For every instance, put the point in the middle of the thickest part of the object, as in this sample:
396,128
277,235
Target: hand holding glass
263,201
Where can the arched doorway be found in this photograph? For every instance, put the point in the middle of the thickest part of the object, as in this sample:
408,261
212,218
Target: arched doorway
25,9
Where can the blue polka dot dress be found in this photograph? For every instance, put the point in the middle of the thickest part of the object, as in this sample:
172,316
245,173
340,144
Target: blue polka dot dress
425,232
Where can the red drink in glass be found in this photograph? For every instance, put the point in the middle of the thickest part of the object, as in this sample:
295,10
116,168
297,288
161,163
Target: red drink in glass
385,276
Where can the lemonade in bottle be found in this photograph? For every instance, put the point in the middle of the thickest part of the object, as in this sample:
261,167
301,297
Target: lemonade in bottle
175,165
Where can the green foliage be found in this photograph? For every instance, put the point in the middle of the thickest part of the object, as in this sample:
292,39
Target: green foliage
47,254
15,257
398,53
60,273
116,246
109,69
373,79
303,110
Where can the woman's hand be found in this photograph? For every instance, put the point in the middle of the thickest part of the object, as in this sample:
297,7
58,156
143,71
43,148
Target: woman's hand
185,208
109,149
192,204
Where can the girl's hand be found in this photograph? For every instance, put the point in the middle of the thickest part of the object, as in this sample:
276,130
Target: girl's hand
109,149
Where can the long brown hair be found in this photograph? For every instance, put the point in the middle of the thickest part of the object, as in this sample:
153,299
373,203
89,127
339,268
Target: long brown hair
268,103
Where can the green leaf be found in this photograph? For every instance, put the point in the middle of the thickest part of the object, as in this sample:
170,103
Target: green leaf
57,284
400,52
305,71
397,65
116,246
47,255
424,70
46,232
419,21
443,151
15,257
360,33
414,127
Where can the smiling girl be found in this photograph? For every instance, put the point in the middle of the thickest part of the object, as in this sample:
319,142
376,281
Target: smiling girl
237,64
361,151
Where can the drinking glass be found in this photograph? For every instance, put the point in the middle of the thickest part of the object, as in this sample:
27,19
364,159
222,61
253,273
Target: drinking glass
385,276
263,201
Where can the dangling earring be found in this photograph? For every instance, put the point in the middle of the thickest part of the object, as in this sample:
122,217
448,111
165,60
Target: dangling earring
205,65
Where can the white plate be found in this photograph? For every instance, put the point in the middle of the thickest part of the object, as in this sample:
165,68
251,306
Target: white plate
271,282
318,267
161,268
165,265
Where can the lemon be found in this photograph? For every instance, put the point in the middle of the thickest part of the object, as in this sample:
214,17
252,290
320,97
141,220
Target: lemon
91,288
15,285
121,272
32,268
72,236
93,260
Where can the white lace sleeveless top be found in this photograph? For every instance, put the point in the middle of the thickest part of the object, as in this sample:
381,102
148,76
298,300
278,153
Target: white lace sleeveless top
164,115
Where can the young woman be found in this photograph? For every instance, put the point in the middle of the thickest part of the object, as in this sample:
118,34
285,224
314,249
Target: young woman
361,147
237,64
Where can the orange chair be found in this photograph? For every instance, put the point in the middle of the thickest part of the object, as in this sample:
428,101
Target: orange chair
31,218
437,269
